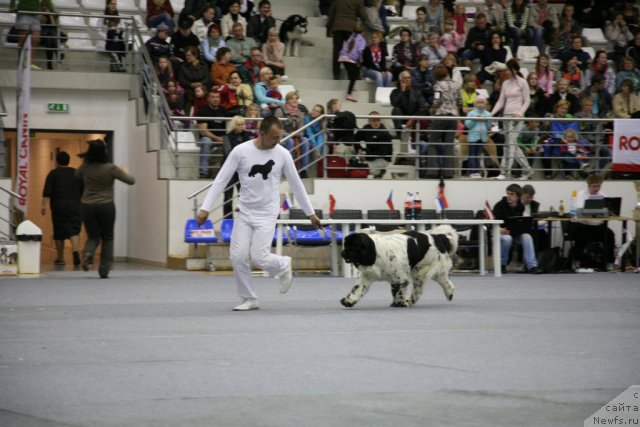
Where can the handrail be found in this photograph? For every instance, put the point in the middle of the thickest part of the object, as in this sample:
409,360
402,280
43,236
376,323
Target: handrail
9,192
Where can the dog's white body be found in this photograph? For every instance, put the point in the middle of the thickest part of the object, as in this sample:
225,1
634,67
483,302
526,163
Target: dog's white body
393,264
291,33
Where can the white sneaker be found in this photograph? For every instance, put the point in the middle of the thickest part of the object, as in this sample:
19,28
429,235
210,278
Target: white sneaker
525,176
475,176
248,304
501,177
286,278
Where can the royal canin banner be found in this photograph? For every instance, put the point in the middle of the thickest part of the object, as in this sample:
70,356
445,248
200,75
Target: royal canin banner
626,145
22,125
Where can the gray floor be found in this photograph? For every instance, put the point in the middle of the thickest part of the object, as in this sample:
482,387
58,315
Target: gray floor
152,347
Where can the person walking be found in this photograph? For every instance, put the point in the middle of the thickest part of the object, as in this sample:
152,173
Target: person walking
260,164
514,99
29,23
342,18
62,192
98,208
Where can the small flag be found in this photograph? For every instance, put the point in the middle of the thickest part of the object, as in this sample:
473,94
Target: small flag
332,204
439,206
390,201
286,204
442,199
488,213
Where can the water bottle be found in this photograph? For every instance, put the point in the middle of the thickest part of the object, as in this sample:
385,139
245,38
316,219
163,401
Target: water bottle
561,208
408,206
574,203
417,206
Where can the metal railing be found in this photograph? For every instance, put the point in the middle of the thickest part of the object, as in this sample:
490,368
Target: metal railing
9,219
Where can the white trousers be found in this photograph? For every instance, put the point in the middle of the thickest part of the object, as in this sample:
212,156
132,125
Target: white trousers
511,149
251,242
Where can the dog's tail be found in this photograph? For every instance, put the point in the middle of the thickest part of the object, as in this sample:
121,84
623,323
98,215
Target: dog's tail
450,233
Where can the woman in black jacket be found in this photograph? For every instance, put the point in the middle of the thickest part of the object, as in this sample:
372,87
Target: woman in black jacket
374,63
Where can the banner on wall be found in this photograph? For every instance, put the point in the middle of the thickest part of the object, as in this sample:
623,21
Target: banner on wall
22,125
626,145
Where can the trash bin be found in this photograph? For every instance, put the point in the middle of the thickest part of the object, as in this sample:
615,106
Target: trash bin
29,237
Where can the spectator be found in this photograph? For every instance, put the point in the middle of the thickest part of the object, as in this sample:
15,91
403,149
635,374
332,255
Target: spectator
314,133
98,209
625,103
573,153
617,33
240,45
211,43
63,191
631,15
260,91
259,25
571,72
442,131
628,71
201,25
273,53
422,79
600,66
341,21
511,206
157,45
200,100
192,74
51,37
351,57
172,87
176,107
529,139
235,95
553,142
451,40
251,68
517,18
231,19
494,14
378,144
334,106
634,49
602,101
537,106
297,145
183,39
468,94
194,9
405,54
543,23
493,53
592,135
236,135
222,68
515,99
419,27
562,39
211,131
435,16
164,70
451,61
591,233
251,126
406,101
477,136
562,93
546,74
371,19
477,40
433,50
29,24
114,45
246,8
568,14
273,92
160,12
576,50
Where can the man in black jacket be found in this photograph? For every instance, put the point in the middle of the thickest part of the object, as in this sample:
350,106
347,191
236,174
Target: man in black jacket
258,25
511,206
406,101
378,145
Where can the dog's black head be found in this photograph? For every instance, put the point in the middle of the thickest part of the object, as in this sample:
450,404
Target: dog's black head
359,249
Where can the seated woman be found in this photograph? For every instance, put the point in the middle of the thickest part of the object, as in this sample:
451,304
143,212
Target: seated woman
273,52
553,142
192,74
298,145
235,95
574,153
495,52
571,72
211,43
222,68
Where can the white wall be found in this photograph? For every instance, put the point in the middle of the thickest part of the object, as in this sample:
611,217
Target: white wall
372,194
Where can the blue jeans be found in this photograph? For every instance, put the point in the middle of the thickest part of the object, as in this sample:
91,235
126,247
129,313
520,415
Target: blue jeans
164,18
525,240
382,79
473,161
206,144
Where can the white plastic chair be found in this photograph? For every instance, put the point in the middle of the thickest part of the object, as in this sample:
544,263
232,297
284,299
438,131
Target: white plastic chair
383,96
528,54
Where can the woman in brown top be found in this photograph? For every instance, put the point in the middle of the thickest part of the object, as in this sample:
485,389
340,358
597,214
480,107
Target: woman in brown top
98,209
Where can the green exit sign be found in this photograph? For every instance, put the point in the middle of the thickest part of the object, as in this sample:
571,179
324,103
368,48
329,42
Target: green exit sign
55,107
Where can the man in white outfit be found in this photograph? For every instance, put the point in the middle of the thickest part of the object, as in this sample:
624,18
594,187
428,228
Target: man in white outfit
260,164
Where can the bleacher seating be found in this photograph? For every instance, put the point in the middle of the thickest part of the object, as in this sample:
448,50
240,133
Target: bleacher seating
528,54
383,95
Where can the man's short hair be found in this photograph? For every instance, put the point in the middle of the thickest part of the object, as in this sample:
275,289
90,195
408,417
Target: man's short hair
528,190
515,188
595,179
263,3
440,72
268,123
62,158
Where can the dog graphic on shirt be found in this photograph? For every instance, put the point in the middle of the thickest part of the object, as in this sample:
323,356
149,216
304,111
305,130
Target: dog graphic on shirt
262,169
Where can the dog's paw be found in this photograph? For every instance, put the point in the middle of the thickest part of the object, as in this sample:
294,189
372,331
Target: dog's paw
399,304
346,302
450,296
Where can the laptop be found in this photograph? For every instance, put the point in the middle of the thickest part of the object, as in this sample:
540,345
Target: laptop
518,225
594,203
613,204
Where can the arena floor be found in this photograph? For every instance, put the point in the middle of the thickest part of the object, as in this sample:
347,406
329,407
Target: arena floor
155,347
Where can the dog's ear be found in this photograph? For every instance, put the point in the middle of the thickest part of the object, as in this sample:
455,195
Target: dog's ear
361,248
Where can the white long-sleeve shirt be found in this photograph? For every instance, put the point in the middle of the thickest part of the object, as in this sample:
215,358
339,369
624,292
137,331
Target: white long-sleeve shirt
260,173
514,97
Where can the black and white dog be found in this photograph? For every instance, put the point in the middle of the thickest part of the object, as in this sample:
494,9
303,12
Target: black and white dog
291,32
401,259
